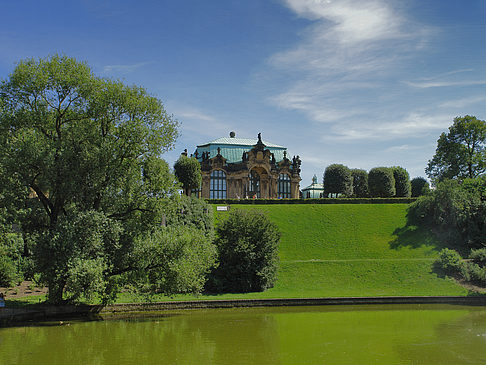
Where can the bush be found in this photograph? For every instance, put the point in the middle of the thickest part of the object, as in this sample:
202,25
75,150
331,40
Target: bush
456,210
402,182
11,245
8,271
474,273
247,244
360,183
381,182
479,256
449,261
420,186
188,172
338,180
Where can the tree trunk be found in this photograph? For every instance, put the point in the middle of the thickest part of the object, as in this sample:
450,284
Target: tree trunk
55,292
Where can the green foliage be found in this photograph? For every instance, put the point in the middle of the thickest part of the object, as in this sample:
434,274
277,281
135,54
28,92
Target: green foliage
360,183
188,172
419,186
8,271
449,261
247,245
381,182
175,260
76,147
461,153
474,273
478,256
11,247
402,182
189,211
79,254
456,210
338,180
74,138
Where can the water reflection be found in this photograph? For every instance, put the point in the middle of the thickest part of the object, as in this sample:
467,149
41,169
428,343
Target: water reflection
311,335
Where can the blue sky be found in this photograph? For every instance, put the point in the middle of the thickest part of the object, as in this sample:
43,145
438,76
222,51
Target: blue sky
365,83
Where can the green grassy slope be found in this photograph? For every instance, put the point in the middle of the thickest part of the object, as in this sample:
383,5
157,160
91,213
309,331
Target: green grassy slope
345,250
352,250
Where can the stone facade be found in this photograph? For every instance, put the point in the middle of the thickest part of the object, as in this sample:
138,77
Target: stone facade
257,174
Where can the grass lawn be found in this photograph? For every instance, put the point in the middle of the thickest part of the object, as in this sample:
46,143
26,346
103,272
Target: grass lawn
344,250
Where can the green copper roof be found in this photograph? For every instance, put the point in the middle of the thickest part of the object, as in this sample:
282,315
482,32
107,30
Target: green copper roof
232,148
239,141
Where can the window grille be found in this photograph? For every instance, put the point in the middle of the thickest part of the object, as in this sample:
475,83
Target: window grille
255,184
217,188
283,186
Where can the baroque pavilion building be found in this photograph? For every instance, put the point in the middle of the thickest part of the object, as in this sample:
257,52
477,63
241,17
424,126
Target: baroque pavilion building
242,168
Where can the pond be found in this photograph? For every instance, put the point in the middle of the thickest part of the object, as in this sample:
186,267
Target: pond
392,334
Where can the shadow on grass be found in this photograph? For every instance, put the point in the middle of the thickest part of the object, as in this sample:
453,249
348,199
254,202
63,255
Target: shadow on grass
23,303
413,236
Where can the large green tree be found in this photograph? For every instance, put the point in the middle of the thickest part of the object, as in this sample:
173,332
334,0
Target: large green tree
84,146
460,153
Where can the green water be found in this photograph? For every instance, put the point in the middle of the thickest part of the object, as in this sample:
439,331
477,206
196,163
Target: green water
397,334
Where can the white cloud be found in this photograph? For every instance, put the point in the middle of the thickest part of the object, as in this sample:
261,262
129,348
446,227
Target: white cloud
123,69
196,122
425,85
414,124
347,70
350,21
461,103
402,148
350,35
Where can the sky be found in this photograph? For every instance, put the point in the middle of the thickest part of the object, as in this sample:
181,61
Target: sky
364,83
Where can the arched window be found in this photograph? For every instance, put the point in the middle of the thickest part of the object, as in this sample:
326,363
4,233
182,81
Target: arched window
283,186
254,184
217,187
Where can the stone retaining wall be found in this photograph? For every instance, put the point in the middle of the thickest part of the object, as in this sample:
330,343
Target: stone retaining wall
45,312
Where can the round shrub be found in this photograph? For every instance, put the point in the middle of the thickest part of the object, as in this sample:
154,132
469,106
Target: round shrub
420,186
381,182
479,256
247,244
449,261
338,180
188,172
402,182
360,183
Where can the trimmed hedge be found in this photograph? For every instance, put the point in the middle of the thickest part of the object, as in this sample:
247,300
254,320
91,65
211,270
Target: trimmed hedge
315,201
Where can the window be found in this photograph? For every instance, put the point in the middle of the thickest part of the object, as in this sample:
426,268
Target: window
283,186
217,188
254,184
